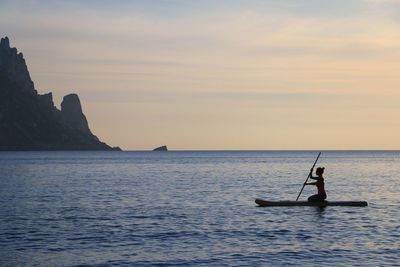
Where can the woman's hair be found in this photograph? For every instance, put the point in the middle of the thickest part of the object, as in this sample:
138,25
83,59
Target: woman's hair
320,170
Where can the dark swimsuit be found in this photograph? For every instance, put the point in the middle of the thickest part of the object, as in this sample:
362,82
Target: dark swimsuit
321,196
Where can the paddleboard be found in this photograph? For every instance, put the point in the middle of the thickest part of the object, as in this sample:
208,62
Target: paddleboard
266,203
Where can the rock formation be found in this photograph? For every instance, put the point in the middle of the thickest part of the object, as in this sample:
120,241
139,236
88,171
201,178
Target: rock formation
29,121
71,111
161,148
13,66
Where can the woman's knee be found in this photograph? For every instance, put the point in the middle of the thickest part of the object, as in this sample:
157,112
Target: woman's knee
317,198
313,198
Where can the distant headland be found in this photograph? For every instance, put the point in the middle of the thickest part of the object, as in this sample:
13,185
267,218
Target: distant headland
30,121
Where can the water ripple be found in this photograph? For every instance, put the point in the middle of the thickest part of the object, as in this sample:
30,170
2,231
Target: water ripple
195,209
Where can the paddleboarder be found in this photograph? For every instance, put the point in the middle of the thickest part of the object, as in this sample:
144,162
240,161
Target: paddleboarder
320,184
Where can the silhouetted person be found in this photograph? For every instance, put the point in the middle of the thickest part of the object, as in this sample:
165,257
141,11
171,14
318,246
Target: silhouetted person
321,196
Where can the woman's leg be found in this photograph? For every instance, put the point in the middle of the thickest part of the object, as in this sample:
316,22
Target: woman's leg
314,198
317,198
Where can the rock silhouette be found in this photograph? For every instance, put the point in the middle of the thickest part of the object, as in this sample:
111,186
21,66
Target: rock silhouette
13,66
161,148
72,113
30,121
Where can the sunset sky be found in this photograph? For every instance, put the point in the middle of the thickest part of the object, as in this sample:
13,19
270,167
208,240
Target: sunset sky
219,74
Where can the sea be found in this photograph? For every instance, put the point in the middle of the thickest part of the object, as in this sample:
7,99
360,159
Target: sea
196,208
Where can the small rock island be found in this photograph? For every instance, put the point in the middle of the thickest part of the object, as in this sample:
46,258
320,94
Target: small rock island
30,121
161,148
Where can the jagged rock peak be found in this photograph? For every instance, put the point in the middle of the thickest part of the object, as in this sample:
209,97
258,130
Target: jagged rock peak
71,111
13,67
71,103
5,43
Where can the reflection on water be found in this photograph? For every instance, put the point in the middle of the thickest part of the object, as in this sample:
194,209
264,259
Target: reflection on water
320,211
195,208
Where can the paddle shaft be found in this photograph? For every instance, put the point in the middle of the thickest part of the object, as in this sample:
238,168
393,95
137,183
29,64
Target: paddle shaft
308,176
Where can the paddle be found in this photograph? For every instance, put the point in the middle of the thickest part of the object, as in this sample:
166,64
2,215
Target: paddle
308,177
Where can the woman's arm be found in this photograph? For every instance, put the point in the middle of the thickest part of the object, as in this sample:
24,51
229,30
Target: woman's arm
310,183
312,177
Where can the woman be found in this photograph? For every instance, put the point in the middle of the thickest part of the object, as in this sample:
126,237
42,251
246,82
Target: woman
321,196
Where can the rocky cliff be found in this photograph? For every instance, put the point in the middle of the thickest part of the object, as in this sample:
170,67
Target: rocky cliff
30,121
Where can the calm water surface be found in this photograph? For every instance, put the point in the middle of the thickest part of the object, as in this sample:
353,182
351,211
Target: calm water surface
195,208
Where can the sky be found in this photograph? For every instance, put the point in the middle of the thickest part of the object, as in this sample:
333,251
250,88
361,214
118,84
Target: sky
207,74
